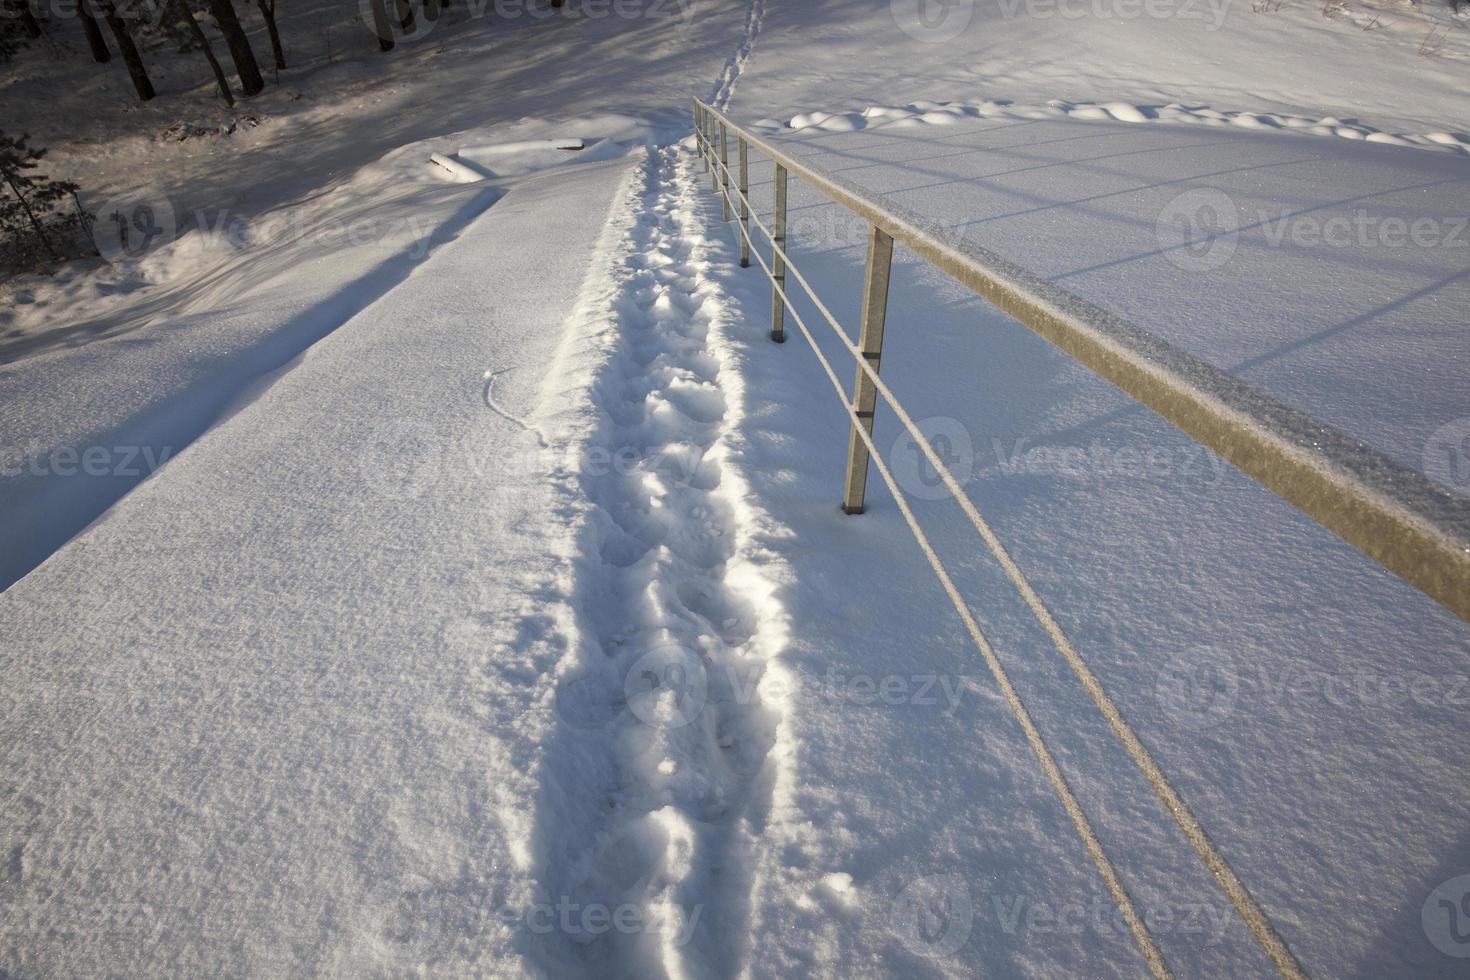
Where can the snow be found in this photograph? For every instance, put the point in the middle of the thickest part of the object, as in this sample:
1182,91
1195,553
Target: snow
477,603
1404,74
1160,561
258,274
949,113
1305,288
312,573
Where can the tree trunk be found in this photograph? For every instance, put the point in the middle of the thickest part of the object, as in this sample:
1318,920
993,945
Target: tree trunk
129,51
381,26
405,17
431,10
100,54
28,19
40,232
245,65
268,11
203,42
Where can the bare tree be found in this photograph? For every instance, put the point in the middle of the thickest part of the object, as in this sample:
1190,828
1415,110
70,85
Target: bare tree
130,56
100,54
268,11
186,14
245,65
381,27
27,19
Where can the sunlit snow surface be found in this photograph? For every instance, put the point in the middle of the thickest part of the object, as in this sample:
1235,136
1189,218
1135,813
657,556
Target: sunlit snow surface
493,614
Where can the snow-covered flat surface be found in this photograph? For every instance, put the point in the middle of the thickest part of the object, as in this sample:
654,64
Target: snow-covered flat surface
259,709
1333,274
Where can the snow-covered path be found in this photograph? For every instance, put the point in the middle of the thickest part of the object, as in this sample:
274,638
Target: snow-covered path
657,776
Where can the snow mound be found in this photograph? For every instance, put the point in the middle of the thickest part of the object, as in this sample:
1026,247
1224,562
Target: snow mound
926,113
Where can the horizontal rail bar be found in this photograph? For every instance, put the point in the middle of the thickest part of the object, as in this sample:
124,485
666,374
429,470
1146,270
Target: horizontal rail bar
1254,917
1147,946
1184,818
1398,517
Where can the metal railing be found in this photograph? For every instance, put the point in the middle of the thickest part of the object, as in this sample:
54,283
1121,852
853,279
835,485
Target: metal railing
1406,523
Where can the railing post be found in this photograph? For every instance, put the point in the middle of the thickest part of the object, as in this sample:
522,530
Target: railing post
744,205
870,341
709,145
725,167
778,263
701,124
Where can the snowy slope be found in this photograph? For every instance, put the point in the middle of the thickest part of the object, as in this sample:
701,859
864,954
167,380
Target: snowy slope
1324,762
1231,55
285,231
1337,276
1325,768
513,628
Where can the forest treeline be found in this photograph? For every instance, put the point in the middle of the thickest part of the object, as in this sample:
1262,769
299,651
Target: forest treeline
43,219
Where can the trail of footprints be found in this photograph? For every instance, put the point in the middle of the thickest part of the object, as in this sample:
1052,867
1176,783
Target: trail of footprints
688,734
